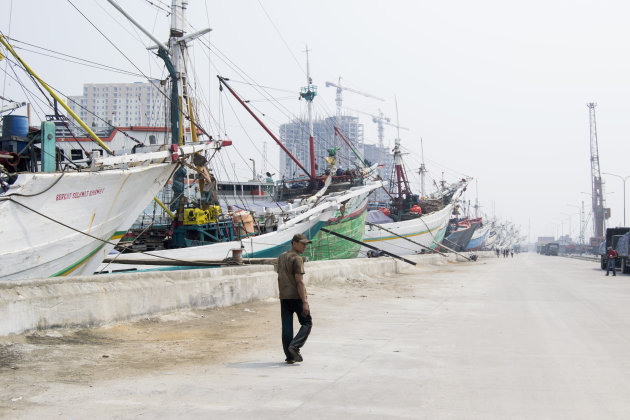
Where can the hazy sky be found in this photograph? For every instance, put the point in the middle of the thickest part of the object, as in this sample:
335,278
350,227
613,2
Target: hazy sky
496,89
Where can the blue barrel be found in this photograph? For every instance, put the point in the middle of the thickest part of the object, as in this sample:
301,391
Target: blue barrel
14,125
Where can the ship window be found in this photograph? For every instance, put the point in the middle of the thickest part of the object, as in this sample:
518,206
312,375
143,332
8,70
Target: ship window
152,139
76,154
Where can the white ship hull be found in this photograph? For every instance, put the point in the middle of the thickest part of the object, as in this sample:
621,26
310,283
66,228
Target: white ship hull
427,230
56,224
491,239
268,245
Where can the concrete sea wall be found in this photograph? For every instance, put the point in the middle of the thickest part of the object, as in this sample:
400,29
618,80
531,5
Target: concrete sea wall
97,300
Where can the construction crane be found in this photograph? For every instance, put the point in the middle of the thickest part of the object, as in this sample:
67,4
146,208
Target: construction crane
381,120
600,214
338,97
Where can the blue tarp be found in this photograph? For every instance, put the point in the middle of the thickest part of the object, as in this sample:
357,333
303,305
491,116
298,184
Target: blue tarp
377,217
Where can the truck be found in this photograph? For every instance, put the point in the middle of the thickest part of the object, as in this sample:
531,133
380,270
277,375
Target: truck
623,252
553,248
550,248
612,238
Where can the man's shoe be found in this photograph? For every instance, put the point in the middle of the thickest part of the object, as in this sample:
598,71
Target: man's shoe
606,273
295,353
289,361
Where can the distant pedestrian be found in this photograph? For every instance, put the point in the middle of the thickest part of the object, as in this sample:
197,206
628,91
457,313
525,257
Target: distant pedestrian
293,298
498,252
512,253
611,256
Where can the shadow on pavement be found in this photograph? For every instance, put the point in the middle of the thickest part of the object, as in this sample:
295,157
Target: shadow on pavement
258,365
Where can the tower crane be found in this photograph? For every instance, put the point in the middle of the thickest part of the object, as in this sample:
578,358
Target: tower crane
340,88
381,120
600,214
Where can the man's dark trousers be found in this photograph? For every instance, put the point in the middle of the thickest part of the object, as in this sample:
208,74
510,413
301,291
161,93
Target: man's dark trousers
287,308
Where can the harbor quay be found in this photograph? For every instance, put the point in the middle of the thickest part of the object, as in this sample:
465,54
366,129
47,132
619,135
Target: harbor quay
524,337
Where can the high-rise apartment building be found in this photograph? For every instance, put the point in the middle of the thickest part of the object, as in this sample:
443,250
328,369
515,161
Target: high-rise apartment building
121,104
294,135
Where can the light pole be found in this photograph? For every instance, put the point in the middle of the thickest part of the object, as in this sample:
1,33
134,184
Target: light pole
581,232
567,214
559,228
623,180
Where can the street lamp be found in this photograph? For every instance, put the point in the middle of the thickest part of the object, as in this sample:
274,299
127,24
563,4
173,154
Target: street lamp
567,214
581,232
623,180
561,225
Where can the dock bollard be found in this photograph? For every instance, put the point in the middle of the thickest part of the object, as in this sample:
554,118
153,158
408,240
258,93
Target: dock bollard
237,255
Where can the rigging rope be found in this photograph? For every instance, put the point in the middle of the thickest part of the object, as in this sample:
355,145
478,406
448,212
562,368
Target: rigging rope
88,62
81,232
104,241
4,84
282,38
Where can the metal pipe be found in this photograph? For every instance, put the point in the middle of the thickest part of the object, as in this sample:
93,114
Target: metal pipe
405,238
132,20
170,213
347,238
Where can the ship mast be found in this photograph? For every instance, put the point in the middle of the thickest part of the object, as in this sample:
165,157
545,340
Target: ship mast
178,11
404,192
422,171
308,93
476,199
173,55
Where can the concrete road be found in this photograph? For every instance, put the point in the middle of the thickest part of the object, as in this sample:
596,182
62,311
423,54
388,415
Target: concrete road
531,337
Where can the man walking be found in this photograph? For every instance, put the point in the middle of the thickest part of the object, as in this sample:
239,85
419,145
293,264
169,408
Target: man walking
611,256
293,298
